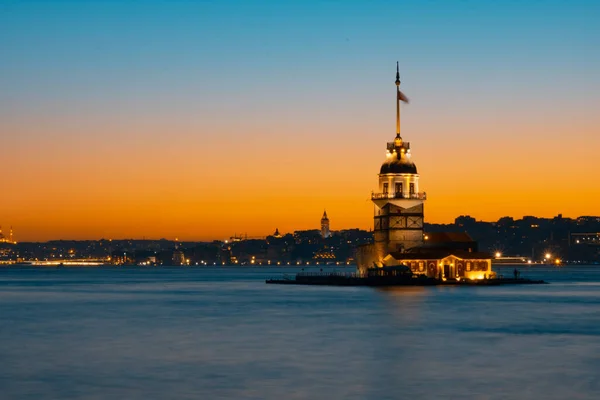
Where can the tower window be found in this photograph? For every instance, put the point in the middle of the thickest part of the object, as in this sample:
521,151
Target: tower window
412,188
385,187
398,188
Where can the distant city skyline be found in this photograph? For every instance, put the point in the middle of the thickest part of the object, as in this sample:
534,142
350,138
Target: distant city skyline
531,239
196,120
276,232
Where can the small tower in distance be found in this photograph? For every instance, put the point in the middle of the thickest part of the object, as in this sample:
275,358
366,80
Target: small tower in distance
325,232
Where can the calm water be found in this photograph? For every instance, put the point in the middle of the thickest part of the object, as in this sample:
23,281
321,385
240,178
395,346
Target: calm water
174,333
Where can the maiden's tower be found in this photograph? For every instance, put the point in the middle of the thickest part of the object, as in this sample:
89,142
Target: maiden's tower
398,204
398,237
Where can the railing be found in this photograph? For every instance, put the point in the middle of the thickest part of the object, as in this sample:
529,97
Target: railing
399,195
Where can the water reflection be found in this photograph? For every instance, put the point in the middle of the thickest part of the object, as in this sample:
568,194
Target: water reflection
404,291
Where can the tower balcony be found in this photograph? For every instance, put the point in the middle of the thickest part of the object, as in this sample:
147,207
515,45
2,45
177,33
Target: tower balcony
399,195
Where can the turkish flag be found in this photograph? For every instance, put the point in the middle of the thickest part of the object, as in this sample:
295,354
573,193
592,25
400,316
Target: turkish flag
402,97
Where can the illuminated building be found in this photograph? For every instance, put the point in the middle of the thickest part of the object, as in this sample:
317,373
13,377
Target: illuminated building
325,232
178,257
584,246
10,239
398,223
446,255
585,237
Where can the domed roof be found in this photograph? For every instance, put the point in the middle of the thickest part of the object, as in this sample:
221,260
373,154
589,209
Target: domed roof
398,167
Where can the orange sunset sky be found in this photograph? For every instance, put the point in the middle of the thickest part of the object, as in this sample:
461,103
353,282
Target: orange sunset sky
199,123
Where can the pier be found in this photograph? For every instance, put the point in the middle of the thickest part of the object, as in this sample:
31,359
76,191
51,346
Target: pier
354,279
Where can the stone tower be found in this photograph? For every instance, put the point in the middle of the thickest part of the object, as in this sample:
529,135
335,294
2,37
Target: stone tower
398,219
398,203
325,232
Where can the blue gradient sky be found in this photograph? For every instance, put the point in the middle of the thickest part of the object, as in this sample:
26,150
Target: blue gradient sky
172,98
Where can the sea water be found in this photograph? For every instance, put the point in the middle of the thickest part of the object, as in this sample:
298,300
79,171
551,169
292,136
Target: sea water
222,333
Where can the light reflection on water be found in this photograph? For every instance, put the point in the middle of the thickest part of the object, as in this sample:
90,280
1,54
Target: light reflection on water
222,333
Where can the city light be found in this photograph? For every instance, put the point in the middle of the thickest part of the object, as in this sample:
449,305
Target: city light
498,254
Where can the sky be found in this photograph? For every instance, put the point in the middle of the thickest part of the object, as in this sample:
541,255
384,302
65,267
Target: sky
203,119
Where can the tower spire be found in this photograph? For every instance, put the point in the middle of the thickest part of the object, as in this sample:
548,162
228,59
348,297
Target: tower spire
397,100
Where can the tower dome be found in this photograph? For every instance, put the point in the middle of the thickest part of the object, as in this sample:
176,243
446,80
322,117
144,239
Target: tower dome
395,166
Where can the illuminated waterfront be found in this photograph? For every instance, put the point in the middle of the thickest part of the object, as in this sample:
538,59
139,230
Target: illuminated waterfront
160,332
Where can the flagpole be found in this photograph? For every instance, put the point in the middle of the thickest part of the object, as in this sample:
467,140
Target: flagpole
397,100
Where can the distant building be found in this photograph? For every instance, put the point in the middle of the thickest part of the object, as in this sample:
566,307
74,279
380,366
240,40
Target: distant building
591,238
178,257
325,232
10,239
586,219
120,257
585,246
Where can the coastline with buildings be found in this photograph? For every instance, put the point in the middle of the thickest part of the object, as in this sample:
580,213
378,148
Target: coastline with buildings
514,241
526,241
529,240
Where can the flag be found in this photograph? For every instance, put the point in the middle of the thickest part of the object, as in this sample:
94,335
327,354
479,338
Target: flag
402,97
